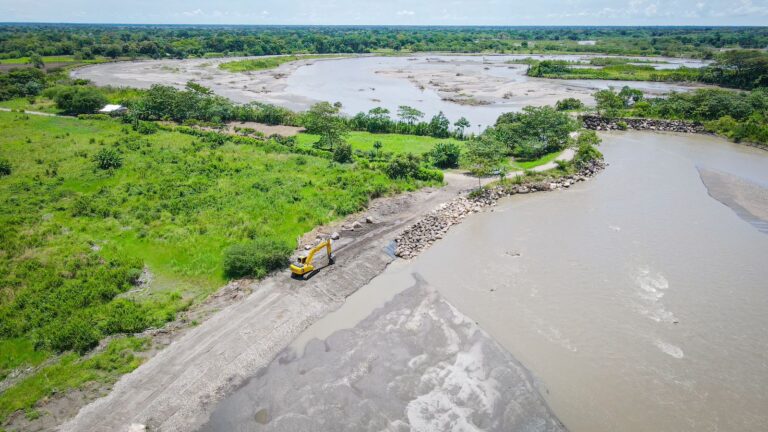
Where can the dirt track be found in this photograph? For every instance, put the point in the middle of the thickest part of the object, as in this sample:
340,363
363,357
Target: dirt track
176,389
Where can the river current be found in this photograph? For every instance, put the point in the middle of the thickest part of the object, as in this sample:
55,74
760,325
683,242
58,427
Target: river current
636,300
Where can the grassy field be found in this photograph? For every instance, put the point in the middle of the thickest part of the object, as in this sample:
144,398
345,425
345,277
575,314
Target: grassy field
525,165
40,104
268,62
620,71
53,59
393,143
76,237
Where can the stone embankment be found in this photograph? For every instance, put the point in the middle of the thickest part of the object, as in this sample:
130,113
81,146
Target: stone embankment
602,123
434,225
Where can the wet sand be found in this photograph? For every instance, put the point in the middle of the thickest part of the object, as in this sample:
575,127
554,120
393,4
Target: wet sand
414,364
748,199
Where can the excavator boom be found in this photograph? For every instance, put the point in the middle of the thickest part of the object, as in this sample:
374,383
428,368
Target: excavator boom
305,266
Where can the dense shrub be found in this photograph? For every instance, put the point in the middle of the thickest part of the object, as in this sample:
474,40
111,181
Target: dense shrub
586,149
342,153
5,167
79,99
108,158
569,104
445,155
533,132
22,83
408,166
145,127
255,258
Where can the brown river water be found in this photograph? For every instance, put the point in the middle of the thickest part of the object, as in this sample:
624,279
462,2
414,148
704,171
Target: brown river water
637,301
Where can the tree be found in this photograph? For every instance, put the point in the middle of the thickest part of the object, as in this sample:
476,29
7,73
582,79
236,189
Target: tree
79,99
462,124
535,131
36,61
586,149
445,155
439,126
609,103
485,156
378,120
198,88
409,115
323,119
377,145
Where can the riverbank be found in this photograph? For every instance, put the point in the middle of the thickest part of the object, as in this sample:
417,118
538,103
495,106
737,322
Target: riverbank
437,223
174,389
600,123
207,362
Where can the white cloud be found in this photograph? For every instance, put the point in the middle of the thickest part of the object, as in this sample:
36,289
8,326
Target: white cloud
406,12
195,12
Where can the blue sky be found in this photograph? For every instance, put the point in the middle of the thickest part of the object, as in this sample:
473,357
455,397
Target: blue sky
404,12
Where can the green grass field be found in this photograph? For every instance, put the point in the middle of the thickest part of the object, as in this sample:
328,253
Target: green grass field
525,165
40,104
53,59
73,234
268,62
626,72
393,143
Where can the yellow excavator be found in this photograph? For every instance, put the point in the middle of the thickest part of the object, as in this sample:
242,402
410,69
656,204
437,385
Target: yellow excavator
304,265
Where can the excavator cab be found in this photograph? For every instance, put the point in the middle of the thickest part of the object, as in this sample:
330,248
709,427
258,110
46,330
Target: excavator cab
304,263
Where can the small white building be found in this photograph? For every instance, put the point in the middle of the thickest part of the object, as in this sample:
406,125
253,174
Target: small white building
113,110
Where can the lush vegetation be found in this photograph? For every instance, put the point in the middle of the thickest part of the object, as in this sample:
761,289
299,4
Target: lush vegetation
534,132
535,136
265,62
89,207
737,69
622,71
738,115
72,371
113,41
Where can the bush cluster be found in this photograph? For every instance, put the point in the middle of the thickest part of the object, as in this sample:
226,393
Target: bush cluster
108,158
255,258
5,167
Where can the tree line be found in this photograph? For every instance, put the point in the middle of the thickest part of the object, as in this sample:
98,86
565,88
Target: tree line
157,41
740,116
743,69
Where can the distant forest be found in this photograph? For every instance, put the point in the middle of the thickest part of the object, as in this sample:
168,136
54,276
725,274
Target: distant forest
85,41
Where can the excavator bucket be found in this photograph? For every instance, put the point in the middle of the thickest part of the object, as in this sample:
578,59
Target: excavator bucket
304,264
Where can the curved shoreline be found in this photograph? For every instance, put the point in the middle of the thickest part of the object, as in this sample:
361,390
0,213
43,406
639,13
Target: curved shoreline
176,389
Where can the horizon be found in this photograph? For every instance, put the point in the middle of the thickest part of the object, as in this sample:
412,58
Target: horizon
486,13
564,26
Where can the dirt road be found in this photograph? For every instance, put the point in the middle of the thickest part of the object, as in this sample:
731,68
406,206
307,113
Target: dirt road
175,390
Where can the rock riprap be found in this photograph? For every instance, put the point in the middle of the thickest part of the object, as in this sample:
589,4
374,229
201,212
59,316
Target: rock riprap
434,225
603,124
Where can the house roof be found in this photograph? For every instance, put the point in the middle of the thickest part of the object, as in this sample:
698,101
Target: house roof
111,108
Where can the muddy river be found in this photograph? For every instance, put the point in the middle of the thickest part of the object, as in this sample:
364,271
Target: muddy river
479,88
636,301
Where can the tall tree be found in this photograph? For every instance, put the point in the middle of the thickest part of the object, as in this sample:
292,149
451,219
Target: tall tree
409,115
323,119
485,156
